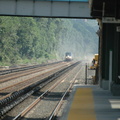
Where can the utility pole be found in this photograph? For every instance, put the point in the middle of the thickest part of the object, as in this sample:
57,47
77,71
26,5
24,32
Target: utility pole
86,74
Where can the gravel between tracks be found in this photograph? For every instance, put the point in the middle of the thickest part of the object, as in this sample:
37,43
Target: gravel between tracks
22,78
43,109
29,81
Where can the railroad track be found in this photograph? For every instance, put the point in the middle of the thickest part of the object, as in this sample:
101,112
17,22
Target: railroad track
8,71
29,90
8,77
15,85
55,112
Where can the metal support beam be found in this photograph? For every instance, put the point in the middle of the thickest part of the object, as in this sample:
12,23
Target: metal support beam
45,8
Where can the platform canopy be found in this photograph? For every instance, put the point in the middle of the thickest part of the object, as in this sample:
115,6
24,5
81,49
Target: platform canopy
65,0
105,8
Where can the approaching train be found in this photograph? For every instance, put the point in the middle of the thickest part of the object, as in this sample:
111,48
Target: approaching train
68,56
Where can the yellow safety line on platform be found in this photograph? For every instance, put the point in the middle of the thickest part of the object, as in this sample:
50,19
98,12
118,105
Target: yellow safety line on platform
83,105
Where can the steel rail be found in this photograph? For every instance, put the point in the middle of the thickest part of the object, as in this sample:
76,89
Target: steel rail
21,74
35,102
9,95
26,110
3,72
51,77
58,106
27,79
12,96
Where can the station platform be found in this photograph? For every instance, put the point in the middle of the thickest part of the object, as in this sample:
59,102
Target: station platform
88,102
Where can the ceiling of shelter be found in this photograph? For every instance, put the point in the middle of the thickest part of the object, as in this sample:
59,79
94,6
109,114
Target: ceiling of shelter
106,8
65,0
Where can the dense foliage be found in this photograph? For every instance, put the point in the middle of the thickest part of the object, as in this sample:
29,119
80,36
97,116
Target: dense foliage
80,38
37,39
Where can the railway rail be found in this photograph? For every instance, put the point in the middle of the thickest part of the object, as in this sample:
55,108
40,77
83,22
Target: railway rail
16,85
8,77
17,97
58,106
41,97
3,72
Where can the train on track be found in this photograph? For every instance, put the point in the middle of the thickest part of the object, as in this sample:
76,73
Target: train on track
68,56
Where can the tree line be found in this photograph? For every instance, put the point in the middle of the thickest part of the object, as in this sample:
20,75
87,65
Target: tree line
25,39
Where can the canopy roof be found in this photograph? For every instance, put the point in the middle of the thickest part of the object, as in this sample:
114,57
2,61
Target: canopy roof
105,8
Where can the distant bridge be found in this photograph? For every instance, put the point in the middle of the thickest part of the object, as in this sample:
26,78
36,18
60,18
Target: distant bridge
46,8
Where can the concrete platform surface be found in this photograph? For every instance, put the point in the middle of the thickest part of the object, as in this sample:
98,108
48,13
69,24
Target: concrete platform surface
88,102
